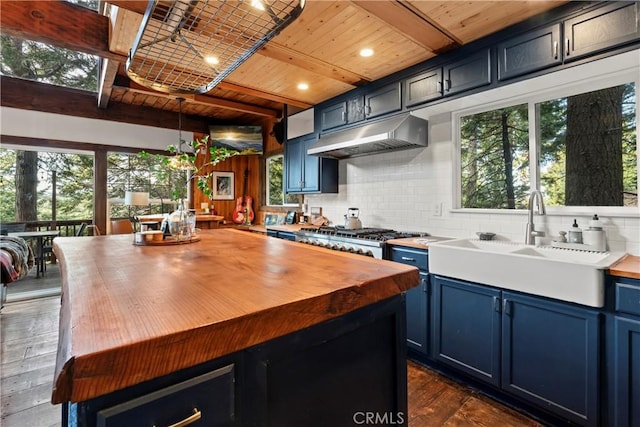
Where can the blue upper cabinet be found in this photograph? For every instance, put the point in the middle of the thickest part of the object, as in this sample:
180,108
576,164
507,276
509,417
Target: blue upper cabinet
604,28
530,52
614,24
308,174
385,100
468,73
423,87
333,116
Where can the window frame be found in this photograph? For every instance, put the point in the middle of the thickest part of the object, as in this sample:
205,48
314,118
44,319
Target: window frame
532,92
267,175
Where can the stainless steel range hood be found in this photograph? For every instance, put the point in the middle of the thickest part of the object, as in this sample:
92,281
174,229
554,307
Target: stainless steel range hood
395,133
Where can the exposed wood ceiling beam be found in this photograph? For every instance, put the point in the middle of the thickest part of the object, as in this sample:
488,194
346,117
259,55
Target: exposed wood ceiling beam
108,73
199,99
260,94
58,23
281,53
411,23
35,96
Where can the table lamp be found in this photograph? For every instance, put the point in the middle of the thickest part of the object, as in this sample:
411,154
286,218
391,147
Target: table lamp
136,198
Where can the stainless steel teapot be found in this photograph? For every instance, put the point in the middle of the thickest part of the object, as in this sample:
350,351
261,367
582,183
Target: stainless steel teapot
351,220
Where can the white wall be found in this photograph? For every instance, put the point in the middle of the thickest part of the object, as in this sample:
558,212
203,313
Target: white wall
401,190
37,124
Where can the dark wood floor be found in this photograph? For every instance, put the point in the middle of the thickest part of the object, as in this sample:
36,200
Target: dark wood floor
29,339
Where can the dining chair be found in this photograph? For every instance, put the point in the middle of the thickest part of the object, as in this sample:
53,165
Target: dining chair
93,230
121,226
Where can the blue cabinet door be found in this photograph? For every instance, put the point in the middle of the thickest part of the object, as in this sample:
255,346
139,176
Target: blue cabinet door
417,315
550,356
530,52
627,372
467,328
294,158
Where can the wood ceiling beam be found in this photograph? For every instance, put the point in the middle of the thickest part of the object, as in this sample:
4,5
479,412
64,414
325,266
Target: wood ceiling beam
108,72
261,94
284,54
411,23
35,96
58,23
207,100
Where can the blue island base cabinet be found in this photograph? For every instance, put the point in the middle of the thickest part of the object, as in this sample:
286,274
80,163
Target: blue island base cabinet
541,352
330,374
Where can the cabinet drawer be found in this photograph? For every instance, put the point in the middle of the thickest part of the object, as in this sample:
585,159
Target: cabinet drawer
208,399
628,298
414,257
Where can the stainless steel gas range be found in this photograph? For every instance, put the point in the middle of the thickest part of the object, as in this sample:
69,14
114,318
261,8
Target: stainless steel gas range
364,241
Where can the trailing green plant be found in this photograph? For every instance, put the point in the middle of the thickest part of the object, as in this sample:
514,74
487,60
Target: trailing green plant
180,160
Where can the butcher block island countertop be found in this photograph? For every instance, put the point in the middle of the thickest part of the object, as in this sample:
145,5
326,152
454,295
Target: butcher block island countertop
134,313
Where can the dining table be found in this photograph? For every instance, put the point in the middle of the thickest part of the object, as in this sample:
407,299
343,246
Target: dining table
40,238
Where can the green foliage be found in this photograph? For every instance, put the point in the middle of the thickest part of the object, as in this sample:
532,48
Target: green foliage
180,167
494,153
44,63
74,185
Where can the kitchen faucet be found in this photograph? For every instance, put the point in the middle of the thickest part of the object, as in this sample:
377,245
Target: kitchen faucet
531,233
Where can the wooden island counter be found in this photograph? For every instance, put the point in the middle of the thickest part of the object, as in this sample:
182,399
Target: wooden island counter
236,329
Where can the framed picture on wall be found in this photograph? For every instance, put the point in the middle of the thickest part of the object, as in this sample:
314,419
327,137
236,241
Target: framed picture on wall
223,186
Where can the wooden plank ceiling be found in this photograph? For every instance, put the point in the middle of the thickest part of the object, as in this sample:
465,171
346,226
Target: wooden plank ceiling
321,48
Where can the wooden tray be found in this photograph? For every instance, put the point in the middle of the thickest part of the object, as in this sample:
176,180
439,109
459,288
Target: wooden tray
168,241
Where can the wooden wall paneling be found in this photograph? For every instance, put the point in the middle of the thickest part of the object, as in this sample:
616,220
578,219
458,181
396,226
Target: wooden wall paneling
256,183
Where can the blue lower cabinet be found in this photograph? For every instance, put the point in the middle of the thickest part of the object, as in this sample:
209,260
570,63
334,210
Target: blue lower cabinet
550,356
417,316
542,352
627,372
467,328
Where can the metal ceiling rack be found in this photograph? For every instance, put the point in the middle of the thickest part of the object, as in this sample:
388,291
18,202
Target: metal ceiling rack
190,46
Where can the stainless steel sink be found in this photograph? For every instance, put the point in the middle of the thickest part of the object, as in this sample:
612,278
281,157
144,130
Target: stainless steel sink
564,274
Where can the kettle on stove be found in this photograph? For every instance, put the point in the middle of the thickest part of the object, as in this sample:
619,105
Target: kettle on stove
351,220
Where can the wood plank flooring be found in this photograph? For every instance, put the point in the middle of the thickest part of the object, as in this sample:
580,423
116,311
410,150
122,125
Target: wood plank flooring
29,333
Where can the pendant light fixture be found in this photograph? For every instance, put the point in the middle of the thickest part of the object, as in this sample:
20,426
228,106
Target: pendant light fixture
180,160
190,46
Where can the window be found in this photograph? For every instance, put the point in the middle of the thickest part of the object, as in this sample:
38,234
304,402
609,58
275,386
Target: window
31,180
579,150
132,172
276,195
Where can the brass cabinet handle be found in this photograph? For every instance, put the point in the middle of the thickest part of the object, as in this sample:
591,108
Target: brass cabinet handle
189,420
568,47
555,49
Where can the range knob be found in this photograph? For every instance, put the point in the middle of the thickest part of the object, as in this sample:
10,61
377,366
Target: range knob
360,251
352,250
369,253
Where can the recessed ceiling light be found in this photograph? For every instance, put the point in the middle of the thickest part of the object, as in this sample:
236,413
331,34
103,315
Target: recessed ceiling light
211,60
303,86
366,52
257,4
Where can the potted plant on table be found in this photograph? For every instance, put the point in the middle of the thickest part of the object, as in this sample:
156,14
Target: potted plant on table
185,161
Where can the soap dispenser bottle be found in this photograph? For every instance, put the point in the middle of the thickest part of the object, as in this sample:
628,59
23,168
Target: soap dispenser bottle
575,233
594,236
